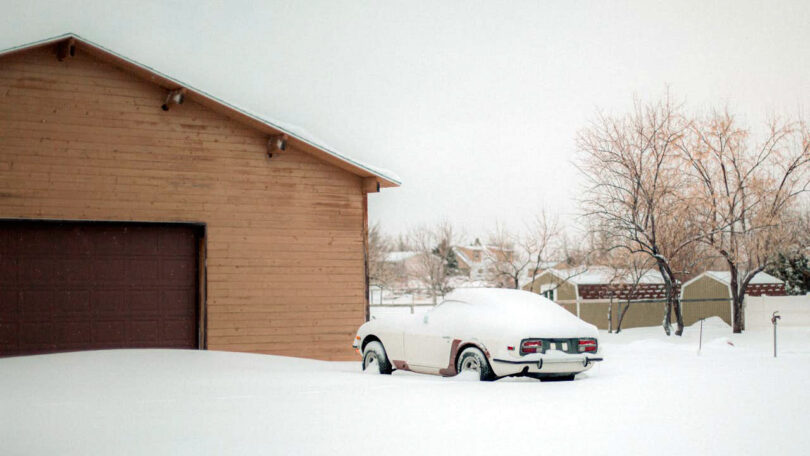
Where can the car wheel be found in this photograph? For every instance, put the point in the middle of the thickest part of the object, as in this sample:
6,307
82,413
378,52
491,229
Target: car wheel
473,360
374,353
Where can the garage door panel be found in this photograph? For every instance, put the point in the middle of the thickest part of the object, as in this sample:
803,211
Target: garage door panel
176,270
9,305
109,303
37,241
106,240
36,271
143,270
72,271
35,305
144,332
9,333
73,334
72,285
178,330
4,242
144,303
36,335
142,241
8,271
110,271
75,303
76,242
176,303
177,243
108,333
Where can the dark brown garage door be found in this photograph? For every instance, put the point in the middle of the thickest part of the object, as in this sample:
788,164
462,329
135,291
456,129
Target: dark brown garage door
81,286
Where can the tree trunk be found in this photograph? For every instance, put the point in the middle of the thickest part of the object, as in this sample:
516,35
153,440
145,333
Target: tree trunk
622,312
610,316
667,323
737,315
676,306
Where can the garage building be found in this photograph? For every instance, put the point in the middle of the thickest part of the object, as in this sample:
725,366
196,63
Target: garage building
137,211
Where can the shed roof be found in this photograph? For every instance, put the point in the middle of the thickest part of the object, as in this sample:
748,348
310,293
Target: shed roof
761,278
601,275
297,136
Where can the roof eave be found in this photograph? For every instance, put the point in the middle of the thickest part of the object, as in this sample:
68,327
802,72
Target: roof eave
150,74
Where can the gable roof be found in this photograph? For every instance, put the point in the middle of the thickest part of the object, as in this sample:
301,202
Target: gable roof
725,278
297,137
398,256
603,275
762,277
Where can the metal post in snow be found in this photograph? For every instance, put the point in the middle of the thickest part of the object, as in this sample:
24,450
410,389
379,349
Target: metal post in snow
700,341
774,319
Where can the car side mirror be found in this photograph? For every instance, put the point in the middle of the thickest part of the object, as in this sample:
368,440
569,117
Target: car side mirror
425,319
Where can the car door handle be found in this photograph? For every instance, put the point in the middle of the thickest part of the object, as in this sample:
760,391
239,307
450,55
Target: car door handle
446,337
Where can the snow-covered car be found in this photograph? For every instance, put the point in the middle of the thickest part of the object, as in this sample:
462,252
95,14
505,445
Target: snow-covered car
492,332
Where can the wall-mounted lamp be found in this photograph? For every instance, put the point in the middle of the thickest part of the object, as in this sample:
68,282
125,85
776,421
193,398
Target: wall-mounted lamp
66,49
174,97
276,144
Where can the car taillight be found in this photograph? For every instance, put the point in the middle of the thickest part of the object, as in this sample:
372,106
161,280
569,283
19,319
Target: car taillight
531,346
586,345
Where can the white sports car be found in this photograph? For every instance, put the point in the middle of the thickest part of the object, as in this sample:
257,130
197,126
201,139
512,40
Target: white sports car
492,332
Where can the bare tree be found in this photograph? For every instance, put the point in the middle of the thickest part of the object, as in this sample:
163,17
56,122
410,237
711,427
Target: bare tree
636,195
544,240
434,246
506,257
513,257
634,268
746,193
380,272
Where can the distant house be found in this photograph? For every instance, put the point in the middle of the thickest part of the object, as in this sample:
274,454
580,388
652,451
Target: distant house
709,294
402,267
476,260
588,292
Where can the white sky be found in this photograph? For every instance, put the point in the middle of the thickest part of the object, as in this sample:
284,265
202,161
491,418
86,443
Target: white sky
473,104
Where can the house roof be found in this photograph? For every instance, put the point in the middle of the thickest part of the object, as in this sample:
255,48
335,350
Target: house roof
725,277
601,275
396,257
298,137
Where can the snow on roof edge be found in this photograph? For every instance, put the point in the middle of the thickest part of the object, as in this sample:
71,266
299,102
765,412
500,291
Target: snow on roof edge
379,172
761,277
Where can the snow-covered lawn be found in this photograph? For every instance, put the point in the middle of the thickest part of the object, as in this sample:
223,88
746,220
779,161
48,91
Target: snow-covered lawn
652,395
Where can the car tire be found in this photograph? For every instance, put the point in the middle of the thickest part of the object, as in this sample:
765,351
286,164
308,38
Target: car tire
374,351
472,359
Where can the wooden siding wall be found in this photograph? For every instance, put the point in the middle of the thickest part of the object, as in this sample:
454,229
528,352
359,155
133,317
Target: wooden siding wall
565,291
640,314
83,140
706,288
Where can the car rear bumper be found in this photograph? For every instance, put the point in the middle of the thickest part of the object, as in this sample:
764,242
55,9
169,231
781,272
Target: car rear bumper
562,364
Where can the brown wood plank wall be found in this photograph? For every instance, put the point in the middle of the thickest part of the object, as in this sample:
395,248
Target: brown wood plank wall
83,140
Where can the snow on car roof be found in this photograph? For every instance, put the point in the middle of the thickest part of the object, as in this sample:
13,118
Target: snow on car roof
522,309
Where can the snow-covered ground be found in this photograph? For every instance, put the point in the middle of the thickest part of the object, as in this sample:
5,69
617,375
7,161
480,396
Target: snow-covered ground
652,395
